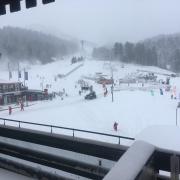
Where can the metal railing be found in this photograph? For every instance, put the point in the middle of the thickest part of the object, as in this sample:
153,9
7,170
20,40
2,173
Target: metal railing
73,130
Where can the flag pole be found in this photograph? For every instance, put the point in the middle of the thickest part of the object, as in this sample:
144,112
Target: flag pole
9,70
24,77
18,71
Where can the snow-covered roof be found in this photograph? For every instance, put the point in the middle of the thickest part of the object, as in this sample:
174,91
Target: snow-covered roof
162,136
132,162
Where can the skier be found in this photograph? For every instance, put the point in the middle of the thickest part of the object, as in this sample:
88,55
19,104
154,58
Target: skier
80,92
115,126
91,88
174,92
105,93
161,91
22,106
171,96
104,85
64,90
168,81
10,110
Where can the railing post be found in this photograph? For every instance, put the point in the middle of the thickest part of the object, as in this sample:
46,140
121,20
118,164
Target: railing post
174,167
51,129
176,115
4,122
73,133
119,140
19,124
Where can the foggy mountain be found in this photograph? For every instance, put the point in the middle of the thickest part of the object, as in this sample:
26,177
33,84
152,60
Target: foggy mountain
55,31
19,44
88,45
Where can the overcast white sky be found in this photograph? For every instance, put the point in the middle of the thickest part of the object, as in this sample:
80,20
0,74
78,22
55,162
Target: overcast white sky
102,21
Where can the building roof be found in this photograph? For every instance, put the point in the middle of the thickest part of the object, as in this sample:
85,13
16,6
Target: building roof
2,81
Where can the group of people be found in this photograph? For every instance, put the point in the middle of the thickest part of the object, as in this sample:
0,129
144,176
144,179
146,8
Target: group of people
76,59
21,107
173,92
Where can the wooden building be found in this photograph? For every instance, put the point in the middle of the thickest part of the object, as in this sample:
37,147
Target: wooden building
12,92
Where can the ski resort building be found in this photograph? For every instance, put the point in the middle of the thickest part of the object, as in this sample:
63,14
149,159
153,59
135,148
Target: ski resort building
11,92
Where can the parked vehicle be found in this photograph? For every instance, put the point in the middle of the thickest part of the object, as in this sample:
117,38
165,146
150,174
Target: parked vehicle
91,95
85,88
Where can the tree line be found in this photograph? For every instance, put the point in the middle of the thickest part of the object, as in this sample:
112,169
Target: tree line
128,53
162,51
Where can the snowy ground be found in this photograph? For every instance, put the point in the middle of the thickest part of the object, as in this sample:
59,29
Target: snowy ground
133,110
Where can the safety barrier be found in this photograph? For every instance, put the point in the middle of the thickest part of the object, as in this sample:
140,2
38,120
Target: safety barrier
73,130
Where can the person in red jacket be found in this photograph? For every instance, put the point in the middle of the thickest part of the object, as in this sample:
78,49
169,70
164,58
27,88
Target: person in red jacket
10,110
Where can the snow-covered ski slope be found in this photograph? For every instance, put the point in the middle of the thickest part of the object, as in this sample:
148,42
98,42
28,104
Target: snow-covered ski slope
133,110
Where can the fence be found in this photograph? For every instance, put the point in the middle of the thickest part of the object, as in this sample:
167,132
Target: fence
73,130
